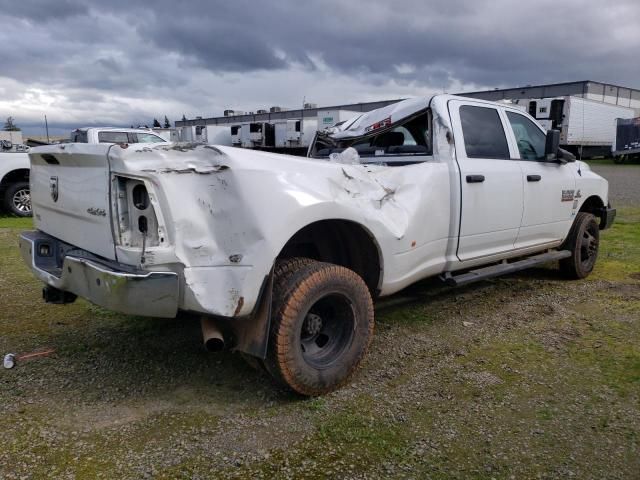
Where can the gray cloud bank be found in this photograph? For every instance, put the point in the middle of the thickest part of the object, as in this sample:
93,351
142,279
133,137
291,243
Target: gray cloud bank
116,62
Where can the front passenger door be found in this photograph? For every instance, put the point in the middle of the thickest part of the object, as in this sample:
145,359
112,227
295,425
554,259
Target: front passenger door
490,182
549,187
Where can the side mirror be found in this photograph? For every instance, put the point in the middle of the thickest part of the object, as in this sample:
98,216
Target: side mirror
566,156
552,145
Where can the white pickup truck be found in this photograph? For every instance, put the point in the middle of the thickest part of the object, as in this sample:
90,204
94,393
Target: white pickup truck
281,256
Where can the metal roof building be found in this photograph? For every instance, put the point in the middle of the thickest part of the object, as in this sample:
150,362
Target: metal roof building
604,92
284,114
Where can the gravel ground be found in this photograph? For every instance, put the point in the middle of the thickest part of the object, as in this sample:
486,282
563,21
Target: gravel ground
624,182
525,376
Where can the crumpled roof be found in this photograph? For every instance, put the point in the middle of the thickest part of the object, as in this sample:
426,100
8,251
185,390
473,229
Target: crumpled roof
381,118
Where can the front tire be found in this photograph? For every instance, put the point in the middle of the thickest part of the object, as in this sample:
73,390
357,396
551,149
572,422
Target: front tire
583,242
321,327
17,199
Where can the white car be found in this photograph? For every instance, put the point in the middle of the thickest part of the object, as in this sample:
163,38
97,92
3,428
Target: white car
14,179
282,256
114,135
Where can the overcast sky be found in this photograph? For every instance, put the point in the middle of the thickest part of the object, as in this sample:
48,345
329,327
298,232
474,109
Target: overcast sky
119,62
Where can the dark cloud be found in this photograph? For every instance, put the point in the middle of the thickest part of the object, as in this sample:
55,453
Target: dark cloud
202,53
37,11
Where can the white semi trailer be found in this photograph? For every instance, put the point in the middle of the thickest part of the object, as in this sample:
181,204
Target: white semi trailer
219,135
587,127
296,133
236,131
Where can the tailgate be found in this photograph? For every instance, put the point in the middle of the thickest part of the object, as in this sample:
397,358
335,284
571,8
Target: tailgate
70,195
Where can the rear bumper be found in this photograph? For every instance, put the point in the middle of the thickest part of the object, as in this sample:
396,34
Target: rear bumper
607,217
110,285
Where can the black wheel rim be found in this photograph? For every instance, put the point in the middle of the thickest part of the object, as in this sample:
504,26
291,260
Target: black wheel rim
589,246
327,330
22,201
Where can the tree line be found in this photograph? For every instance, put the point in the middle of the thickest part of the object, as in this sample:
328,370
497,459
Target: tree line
156,123
10,125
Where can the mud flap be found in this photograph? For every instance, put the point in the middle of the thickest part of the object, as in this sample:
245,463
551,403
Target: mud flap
251,334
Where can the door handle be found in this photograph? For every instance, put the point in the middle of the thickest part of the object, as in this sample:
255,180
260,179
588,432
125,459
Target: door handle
533,178
475,178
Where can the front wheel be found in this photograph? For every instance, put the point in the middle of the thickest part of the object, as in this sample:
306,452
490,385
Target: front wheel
583,242
321,326
17,199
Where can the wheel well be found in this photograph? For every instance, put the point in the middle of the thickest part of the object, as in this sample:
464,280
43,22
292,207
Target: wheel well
593,205
20,175
341,242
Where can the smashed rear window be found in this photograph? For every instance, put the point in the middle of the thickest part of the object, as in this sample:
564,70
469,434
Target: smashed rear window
411,137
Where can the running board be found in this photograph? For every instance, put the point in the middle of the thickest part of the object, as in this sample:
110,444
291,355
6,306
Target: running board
502,268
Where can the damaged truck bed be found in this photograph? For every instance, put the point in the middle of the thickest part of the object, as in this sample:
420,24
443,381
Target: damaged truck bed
282,256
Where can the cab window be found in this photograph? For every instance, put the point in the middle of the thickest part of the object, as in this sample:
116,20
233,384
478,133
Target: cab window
530,139
148,138
408,139
483,133
113,137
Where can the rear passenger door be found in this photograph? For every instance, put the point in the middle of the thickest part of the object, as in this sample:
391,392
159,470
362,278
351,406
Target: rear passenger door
490,182
549,187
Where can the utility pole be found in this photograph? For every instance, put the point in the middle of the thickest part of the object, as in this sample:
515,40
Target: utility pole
46,126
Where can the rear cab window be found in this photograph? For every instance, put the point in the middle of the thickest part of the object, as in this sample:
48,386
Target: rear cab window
410,138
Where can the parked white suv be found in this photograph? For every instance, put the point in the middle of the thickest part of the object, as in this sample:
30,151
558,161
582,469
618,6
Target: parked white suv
282,256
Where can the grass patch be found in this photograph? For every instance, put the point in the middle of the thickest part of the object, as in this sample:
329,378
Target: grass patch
609,161
534,385
16,222
619,254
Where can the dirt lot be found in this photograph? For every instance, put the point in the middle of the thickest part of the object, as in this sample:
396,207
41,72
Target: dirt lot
527,376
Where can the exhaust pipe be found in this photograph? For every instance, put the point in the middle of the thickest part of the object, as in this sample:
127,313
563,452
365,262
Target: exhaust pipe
211,335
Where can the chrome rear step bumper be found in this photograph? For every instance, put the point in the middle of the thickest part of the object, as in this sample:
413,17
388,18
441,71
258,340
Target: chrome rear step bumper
116,287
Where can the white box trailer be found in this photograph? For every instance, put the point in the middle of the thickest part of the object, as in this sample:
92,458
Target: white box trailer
329,118
193,133
300,132
261,134
582,122
236,132
280,129
245,136
219,135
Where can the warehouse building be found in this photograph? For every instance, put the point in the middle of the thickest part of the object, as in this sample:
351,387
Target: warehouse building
603,92
585,112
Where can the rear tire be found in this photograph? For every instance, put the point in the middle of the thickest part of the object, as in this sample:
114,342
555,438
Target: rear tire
17,199
583,242
321,326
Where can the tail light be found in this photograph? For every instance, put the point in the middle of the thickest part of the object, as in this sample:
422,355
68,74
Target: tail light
135,221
